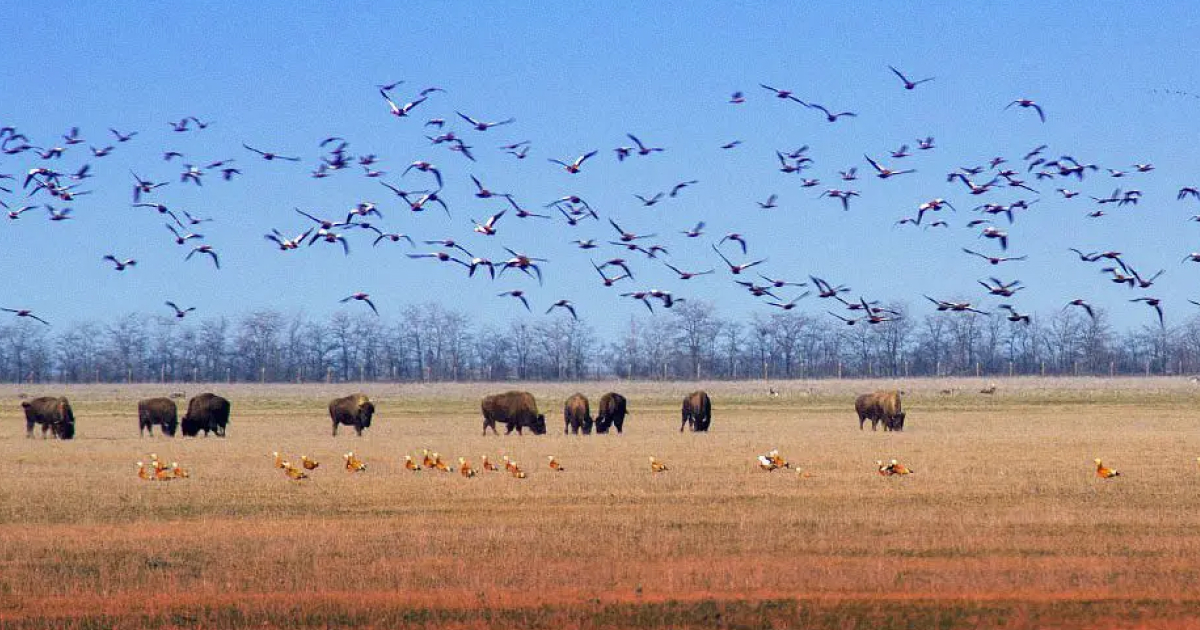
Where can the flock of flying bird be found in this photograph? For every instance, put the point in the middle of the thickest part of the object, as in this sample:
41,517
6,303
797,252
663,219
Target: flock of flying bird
419,187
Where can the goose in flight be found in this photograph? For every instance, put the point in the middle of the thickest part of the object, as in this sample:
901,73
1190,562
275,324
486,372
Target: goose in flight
180,313
1027,103
24,312
909,84
361,297
479,125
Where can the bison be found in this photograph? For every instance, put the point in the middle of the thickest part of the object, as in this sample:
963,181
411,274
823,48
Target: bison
515,410
160,411
577,416
881,406
354,410
206,412
53,413
697,412
612,413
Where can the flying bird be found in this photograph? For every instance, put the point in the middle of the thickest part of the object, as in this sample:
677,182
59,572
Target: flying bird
361,297
1024,102
180,313
483,126
120,265
575,165
908,84
268,155
24,312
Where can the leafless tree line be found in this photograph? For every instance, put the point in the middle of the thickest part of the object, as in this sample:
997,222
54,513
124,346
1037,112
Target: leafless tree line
433,343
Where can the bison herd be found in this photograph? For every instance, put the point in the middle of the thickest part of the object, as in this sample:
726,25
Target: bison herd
515,410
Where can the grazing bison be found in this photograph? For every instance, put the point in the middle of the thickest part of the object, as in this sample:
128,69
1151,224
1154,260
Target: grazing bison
515,410
206,412
54,414
881,406
354,410
160,411
697,412
612,413
577,416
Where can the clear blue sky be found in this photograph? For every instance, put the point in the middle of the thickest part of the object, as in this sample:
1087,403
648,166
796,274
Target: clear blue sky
578,78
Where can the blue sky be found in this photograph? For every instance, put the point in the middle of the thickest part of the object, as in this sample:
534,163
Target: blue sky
577,79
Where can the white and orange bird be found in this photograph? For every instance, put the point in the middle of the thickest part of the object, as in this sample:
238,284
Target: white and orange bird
353,463
178,471
900,469
278,459
143,472
439,464
778,460
158,465
487,464
409,464
464,468
516,471
509,464
1104,472
885,470
554,465
294,473
308,464
657,466
163,474
426,460
765,463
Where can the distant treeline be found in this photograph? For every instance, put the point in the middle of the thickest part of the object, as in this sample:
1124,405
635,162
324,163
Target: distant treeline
692,340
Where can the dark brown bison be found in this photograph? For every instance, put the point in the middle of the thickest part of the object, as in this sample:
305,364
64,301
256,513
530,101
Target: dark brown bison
881,406
206,412
611,413
515,410
577,415
354,410
697,412
54,414
160,411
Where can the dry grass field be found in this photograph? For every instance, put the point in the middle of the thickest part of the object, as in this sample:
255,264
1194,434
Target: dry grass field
1003,525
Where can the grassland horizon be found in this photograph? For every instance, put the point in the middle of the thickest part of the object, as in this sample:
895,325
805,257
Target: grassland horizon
1003,525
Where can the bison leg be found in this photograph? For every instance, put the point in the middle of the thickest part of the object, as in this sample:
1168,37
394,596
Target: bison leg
335,428
684,423
618,423
29,428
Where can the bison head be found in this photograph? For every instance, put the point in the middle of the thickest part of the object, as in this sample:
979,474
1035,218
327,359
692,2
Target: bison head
539,425
365,411
170,426
66,430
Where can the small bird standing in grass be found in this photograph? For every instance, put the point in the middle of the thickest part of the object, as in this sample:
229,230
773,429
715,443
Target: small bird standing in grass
900,469
178,471
308,464
279,463
353,463
426,459
143,472
295,474
554,465
409,464
1104,472
487,464
657,466
515,470
464,468
439,464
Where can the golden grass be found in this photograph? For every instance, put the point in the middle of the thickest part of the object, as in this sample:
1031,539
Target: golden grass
1004,523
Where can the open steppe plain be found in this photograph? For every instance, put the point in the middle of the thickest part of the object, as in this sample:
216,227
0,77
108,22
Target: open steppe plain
1003,525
